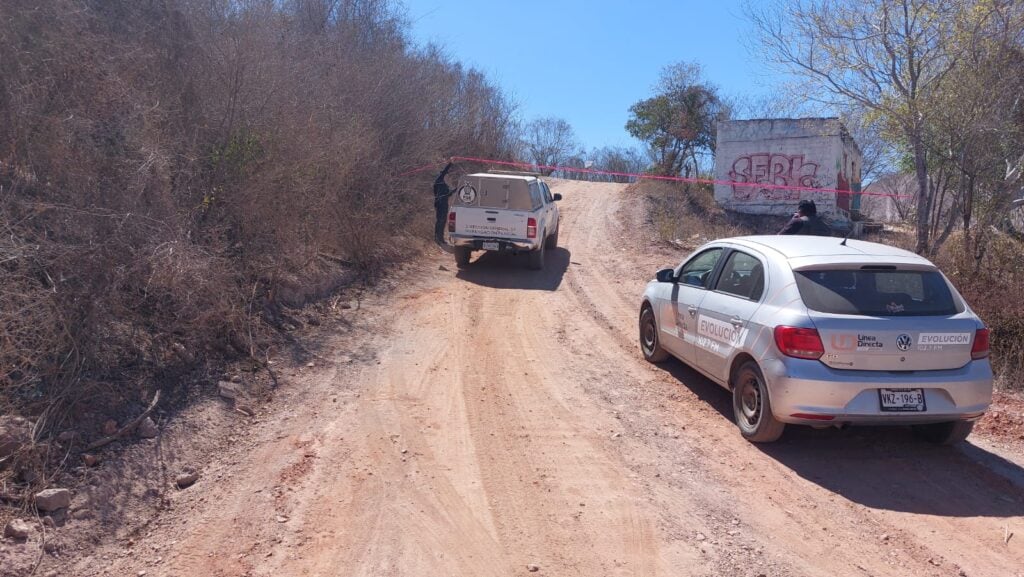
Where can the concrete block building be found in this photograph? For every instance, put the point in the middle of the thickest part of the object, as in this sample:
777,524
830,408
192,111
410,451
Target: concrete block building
804,152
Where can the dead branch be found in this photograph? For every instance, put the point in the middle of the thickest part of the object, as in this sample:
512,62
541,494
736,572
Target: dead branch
127,428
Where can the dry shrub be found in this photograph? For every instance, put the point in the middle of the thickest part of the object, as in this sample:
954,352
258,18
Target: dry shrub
993,286
174,173
33,336
683,214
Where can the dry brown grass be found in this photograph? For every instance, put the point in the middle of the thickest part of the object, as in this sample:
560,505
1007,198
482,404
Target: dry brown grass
994,287
685,215
176,174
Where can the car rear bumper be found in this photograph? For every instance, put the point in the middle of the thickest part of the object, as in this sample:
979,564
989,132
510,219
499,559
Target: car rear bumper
476,243
808,392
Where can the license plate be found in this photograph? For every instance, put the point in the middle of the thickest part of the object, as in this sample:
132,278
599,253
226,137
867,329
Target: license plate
490,246
902,400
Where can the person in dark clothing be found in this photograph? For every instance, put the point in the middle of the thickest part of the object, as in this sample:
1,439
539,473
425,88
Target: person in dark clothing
441,193
806,221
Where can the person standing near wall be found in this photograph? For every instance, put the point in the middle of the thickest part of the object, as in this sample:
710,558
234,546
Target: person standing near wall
441,194
806,221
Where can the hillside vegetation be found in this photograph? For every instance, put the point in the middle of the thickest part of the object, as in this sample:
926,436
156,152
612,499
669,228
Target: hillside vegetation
174,172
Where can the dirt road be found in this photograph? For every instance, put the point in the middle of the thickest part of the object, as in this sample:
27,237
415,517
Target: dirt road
496,418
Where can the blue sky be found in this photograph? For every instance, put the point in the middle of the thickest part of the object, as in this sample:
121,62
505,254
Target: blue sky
588,62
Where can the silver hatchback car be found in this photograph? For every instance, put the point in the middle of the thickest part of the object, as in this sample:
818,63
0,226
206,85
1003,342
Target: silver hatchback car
823,331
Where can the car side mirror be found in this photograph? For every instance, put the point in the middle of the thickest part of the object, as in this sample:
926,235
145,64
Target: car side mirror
666,275
558,196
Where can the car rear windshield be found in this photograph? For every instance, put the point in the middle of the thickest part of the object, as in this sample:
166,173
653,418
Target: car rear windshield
876,292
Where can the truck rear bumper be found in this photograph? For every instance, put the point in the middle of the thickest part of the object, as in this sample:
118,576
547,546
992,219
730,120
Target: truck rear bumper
503,244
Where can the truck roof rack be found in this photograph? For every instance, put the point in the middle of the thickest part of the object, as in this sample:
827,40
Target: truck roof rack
515,173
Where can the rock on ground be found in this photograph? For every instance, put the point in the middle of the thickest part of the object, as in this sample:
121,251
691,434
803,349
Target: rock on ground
53,499
229,390
17,529
148,429
186,480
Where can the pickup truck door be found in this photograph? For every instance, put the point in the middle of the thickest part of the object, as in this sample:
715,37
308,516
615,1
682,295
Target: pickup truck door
551,222
679,315
723,319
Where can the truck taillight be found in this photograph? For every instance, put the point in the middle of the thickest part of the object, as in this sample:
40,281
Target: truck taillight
451,221
531,228
799,343
980,349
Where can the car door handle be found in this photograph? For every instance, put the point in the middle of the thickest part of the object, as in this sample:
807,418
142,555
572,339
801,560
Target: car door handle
736,321
693,311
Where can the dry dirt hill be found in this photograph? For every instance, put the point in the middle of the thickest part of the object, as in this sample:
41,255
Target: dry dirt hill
497,421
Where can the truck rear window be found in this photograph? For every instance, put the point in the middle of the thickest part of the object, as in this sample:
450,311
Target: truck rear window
508,194
885,293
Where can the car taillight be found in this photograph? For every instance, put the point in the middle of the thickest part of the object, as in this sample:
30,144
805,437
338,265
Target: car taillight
799,343
980,349
531,228
451,222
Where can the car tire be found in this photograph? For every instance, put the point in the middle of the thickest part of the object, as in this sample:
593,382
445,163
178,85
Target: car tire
536,258
949,433
752,407
650,346
552,242
462,254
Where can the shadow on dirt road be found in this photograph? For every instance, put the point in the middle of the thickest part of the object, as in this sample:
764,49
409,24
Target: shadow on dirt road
505,271
885,467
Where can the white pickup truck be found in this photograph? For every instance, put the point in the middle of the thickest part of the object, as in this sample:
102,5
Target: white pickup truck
503,211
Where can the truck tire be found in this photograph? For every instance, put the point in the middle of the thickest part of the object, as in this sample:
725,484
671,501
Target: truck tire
462,254
536,257
552,241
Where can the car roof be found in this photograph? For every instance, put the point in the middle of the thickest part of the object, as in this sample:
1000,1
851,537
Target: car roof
503,176
803,250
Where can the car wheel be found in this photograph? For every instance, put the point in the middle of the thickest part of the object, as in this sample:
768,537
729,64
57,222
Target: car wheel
752,407
462,254
552,241
536,257
649,343
949,433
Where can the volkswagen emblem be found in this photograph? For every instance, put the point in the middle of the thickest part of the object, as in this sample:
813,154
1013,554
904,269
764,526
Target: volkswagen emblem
903,342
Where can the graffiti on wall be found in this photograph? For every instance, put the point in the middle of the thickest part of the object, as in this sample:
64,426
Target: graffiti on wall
769,168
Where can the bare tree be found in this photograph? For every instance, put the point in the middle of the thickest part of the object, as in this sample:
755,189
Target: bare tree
621,160
888,56
549,142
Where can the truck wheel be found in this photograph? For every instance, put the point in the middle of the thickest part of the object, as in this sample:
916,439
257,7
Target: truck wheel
949,433
462,254
752,408
536,257
552,241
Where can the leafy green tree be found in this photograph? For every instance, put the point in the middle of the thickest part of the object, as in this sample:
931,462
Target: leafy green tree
678,122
